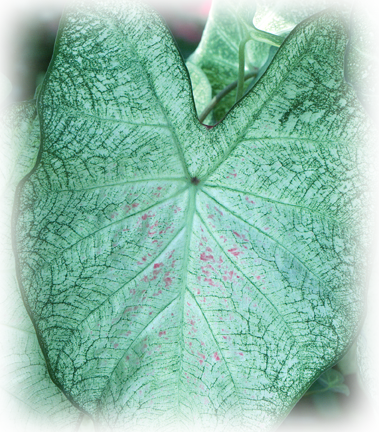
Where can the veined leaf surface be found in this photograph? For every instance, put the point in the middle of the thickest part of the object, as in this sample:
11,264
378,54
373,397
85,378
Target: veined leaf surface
178,275
227,24
30,400
362,55
5,87
368,341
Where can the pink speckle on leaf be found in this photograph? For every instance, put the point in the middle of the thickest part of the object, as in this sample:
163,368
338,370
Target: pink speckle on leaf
115,345
162,333
167,281
157,265
210,281
234,251
135,205
205,257
216,356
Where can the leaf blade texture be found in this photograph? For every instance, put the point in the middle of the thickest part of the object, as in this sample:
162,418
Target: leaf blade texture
179,275
33,402
362,55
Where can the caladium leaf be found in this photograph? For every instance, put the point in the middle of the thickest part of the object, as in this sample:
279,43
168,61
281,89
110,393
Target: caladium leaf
5,87
30,400
217,53
362,55
368,341
178,275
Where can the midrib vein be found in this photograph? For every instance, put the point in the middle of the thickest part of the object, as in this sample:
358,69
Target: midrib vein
188,227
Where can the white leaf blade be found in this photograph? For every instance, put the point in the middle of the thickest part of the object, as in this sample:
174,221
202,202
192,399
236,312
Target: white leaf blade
29,399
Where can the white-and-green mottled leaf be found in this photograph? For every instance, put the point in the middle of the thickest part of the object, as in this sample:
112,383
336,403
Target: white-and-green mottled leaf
5,87
201,88
362,55
179,276
368,341
30,401
217,53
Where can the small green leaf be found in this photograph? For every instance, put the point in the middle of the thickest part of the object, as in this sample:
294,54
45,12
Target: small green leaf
178,275
5,87
202,90
331,380
368,341
228,24
362,55
30,400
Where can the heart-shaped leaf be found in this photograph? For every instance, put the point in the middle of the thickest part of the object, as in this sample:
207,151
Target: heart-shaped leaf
5,87
30,400
228,23
362,55
368,341
178,275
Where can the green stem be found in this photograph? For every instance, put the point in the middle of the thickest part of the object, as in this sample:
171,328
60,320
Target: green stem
241,67
222,94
